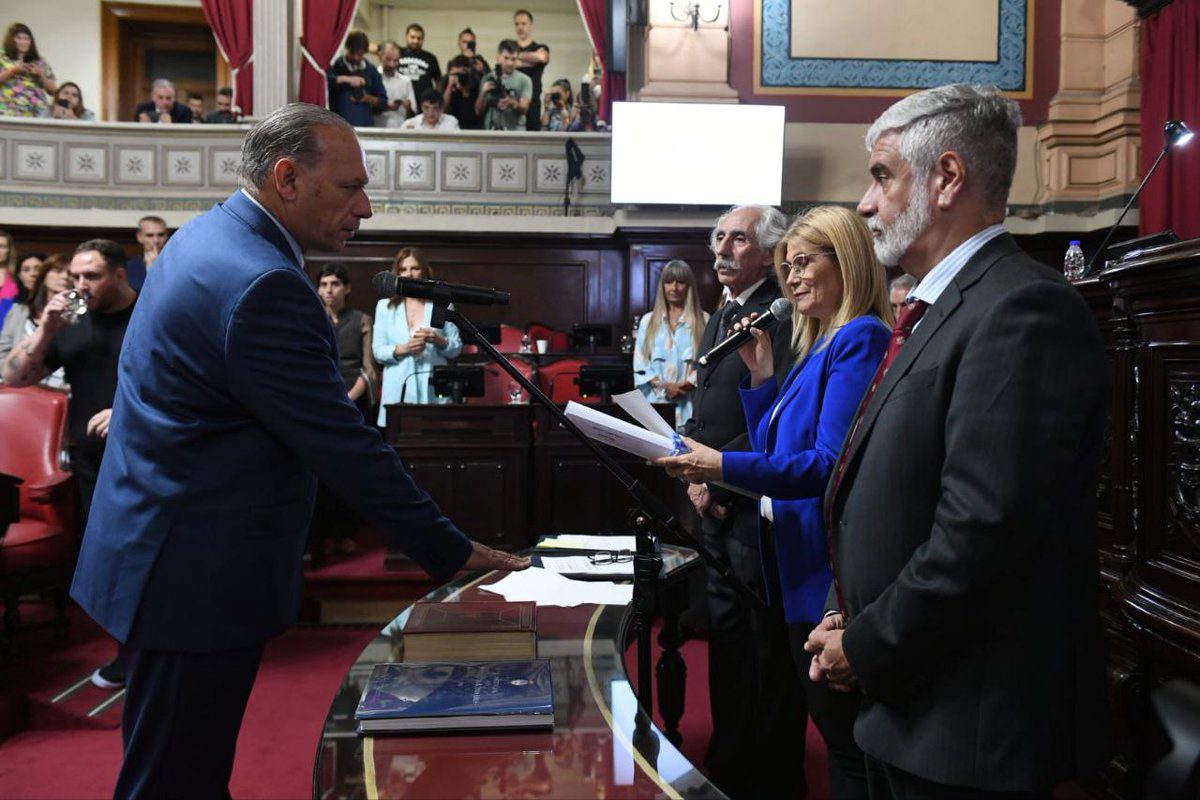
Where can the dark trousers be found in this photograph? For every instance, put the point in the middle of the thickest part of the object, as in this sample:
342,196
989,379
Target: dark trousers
85,472
890,783
758,715
833,713
181,719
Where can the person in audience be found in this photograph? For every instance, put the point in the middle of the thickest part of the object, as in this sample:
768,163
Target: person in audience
431,117
558,107
355,87
532,58
195,102
68,103
460,90
468,49
401,101
162,106
334,523
758,733
505,93
26,80
152,236
50,278
420,65
229,403
27,269
10,287
87,352
898,292
841,327
668,339
962,512
406,344
223,114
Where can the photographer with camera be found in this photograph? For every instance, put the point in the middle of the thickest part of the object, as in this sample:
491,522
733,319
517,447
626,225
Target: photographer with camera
467,48
558,107
355,87
505,93
460,90
162,106
584,118
401,102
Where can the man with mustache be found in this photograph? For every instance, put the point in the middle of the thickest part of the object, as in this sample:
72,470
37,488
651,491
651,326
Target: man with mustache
230,404
962,511
757,707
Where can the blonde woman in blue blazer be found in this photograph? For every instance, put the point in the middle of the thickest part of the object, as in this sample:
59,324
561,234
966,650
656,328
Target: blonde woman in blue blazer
841,328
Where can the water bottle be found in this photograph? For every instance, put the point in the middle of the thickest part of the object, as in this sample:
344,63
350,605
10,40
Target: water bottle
1073,262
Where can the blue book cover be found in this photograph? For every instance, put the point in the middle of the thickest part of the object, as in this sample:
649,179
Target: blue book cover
458,695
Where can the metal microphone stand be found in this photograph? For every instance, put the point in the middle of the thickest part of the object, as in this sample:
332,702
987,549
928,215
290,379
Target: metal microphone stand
649,515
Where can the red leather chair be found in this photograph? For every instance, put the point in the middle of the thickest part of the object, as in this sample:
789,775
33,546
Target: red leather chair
510,341
37,552
496,383
557,379
558,339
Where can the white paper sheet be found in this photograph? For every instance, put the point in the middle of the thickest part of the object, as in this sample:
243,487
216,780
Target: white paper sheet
582,565
618,433
550,589
581,541
637,406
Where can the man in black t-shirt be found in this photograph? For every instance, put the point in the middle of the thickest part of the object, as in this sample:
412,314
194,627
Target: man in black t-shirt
419,65
86,350
532,58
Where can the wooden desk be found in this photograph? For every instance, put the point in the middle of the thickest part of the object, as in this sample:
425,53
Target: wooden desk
588,754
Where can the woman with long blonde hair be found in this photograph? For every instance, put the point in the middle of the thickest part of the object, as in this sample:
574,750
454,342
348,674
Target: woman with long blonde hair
841,319
406,344
668,340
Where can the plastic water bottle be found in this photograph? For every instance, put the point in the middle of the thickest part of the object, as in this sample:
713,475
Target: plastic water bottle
1073,262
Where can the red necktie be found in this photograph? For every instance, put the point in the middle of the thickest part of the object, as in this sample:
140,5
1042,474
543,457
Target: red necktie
908,320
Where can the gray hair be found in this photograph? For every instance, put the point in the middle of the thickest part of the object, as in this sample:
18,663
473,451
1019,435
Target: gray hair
386,43
287,132
977,122
766,231
905,283
163,83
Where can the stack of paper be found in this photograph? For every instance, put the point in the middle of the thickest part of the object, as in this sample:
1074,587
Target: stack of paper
547,588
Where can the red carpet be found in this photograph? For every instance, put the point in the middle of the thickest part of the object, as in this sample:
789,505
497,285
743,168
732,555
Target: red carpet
62,755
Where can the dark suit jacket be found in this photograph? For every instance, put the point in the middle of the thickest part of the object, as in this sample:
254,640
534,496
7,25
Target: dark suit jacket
180,112
963,535
229,403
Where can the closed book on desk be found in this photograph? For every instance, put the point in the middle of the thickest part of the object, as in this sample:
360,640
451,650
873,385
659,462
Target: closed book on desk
464,695
471,631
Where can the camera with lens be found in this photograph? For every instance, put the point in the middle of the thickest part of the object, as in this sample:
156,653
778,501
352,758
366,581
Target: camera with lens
498,92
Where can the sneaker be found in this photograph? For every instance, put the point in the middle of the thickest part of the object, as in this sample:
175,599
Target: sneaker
110,676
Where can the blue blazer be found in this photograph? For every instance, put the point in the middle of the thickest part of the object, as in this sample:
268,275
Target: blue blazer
229,403
795,450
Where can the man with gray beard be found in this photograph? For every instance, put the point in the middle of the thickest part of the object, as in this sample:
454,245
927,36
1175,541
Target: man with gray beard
758,710
962,510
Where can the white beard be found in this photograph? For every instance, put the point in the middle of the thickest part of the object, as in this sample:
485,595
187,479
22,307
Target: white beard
895,240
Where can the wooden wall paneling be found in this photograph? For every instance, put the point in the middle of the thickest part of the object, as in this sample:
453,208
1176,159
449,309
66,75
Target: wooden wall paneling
646,262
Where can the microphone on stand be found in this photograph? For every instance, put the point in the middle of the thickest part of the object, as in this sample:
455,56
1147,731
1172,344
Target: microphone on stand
389,284
779,310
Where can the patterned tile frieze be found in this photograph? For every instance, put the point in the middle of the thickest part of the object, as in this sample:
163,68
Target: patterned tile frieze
35,161
182,167
506,173
135,165
223,165
461,172
415,172
85,163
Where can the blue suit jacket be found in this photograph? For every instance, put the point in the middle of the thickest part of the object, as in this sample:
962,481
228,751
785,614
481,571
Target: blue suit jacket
229,401
795,452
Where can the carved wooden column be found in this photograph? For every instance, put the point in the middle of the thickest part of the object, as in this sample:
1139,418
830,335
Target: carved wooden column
1091,145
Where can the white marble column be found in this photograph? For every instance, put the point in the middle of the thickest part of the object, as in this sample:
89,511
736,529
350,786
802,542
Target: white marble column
274,72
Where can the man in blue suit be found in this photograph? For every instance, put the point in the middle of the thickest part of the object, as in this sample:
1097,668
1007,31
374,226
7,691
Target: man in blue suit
229,406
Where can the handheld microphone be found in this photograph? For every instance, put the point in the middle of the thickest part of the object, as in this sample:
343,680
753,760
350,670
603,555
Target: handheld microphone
780,309
389,284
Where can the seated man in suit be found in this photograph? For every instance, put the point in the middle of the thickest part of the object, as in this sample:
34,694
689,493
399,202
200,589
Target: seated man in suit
962,512
230,405
162,105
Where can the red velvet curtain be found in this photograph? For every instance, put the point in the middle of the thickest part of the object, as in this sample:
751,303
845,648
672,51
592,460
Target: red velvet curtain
1171,90
325,26
232,23
595,19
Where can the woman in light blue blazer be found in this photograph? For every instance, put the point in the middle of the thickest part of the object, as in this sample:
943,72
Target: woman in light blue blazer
841,329
668,337
405,344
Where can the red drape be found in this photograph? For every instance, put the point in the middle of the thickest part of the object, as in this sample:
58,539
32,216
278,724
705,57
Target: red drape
1171,90
325,25
232,23
595,19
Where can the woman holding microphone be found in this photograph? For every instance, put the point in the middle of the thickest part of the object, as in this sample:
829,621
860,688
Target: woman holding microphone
841,328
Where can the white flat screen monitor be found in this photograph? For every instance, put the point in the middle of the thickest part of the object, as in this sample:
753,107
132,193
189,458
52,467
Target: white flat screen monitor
702,154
